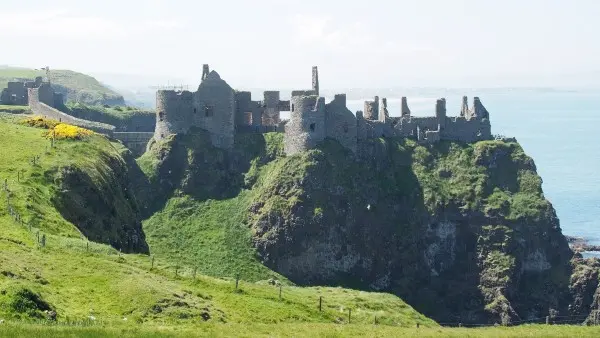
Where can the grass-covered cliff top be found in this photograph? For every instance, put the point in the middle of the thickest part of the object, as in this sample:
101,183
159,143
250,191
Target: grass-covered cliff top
78,87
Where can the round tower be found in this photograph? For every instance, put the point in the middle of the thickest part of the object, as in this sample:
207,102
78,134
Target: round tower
173,112
306,127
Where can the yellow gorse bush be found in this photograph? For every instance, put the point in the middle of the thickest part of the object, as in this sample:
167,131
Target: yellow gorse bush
64,131
40,122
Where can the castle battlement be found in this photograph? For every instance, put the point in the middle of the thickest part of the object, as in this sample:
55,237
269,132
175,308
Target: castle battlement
222,111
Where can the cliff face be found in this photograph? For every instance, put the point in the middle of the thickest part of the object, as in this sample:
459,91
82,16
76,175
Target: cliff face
100,200
462,232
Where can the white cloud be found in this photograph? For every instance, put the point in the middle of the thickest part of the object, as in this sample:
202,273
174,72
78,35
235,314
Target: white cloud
61,23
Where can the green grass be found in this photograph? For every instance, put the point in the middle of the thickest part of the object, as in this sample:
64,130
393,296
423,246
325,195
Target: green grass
297,330
78,87
14,109
30,185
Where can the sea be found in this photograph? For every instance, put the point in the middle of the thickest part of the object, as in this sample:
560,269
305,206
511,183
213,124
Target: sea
558,128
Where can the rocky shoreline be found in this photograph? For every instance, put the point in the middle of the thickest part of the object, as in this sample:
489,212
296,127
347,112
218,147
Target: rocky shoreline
580,244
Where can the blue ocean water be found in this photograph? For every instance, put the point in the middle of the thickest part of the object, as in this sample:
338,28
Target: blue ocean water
558,129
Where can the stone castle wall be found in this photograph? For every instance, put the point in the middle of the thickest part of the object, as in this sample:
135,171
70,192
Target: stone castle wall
39,107
221,111
211,107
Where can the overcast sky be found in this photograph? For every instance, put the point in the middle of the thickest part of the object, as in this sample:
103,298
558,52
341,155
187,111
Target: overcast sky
274,43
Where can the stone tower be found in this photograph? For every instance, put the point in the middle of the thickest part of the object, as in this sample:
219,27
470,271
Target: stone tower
205,71
306,127
405,111
315,80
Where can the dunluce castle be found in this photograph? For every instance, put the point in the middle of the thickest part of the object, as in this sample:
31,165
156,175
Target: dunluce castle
223,111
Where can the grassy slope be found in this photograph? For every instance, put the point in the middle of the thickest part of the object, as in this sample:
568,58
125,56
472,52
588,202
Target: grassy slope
81,87
210,234
31,189
80,280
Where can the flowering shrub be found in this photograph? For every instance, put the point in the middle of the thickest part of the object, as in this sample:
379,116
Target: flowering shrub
40,122
66,131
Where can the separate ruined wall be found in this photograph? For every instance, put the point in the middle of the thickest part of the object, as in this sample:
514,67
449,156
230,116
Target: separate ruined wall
371,111
271,108
340,123
306,127
40,108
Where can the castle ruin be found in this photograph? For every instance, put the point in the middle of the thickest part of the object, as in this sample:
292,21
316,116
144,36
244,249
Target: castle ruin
223,111
17,92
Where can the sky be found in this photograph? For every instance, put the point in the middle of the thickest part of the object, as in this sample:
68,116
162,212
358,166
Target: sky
274,43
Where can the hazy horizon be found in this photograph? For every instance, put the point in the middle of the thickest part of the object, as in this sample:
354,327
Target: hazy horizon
273,44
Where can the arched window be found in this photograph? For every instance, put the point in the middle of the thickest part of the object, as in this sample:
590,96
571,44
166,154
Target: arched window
312,127
161,116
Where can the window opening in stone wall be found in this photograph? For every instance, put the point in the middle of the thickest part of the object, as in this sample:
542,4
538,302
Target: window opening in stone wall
292,107
161,115
208,111
312,127
345,127
194,110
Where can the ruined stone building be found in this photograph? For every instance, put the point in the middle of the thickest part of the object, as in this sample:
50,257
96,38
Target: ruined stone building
17,92
223,111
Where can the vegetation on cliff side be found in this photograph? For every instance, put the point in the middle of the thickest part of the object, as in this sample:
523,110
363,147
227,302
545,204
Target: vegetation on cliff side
381,209
69,187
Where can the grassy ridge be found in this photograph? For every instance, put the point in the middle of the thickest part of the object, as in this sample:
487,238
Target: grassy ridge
78,87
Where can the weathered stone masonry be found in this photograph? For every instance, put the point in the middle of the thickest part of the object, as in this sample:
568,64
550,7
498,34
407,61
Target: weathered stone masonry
221,111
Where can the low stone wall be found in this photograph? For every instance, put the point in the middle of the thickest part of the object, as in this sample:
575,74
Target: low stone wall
136,142
43,109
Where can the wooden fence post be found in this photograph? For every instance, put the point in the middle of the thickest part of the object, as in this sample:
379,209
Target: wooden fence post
349,315
279,291
320,303
152,267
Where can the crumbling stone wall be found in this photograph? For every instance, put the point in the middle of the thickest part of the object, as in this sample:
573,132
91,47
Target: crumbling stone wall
340,123
221,111
211,107
41,108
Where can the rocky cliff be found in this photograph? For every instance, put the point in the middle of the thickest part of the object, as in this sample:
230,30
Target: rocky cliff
461,232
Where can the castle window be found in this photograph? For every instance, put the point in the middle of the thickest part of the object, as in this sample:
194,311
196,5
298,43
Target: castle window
345,127
292,107
161,115
312,127
208,111
194,110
